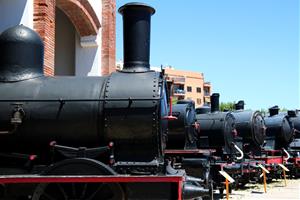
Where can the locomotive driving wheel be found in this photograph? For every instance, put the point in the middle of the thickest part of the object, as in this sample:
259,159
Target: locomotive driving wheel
79,191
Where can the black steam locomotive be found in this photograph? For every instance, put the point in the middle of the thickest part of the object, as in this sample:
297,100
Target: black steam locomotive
251,129
110,125
218,134
237,136
295,119
280,129
118,126
294,148
183,132
182,145
217,130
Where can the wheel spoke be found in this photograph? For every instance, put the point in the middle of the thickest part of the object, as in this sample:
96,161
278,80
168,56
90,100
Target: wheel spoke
83,191
73,190
48,196
94,193
62,190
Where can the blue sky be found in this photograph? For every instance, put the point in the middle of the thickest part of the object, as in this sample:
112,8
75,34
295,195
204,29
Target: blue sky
247,49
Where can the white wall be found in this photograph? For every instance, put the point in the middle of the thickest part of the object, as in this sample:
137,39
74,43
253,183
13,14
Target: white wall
88,49
97,6
14,12
64,45
87,59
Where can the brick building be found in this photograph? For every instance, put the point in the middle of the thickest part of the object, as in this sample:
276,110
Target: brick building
188,85
79,35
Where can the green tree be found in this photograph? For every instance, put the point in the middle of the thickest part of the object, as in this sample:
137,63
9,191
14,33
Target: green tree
283,109
174,100
227,106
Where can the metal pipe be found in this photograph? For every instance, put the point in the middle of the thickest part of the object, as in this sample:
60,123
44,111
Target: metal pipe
190,191
287,153
239,150
79,100
14,129
193,179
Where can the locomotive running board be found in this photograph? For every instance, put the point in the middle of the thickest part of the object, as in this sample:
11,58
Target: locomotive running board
189,151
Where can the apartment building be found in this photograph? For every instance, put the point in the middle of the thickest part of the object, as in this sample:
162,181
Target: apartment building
188,85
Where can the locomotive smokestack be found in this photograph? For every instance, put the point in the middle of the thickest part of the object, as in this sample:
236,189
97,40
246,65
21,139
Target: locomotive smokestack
215,105
136,33
274,110
239,105
292,113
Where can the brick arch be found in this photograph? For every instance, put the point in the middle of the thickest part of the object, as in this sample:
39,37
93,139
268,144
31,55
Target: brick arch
82,15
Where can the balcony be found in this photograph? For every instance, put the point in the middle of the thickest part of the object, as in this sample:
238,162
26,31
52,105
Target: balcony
207,84
207,99
176,79
206,93
179,92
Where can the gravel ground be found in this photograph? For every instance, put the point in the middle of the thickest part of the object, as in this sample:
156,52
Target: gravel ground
275,190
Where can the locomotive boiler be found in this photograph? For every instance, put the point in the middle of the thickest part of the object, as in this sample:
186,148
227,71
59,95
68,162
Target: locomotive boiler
295,118
280,129
183,132
251,129
294,147
109,125
217,129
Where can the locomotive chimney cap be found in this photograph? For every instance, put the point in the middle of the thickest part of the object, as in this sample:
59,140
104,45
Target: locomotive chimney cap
239,105
274,110
215,94
292,113
21,54
136,5
241,102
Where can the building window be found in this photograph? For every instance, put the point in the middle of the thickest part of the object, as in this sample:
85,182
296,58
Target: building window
189,88
180,98
198,89
206,92
199,101
178,89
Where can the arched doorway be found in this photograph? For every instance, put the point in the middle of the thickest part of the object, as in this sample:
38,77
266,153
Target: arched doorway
75,27
76,30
